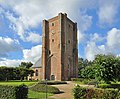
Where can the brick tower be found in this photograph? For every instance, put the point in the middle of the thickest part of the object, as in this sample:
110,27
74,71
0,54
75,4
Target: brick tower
59,48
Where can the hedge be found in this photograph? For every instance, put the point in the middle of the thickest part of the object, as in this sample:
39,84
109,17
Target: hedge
53,82
95,93
85,81
13,92
42,88
115,86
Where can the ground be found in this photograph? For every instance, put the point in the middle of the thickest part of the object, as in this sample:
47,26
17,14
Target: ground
66,91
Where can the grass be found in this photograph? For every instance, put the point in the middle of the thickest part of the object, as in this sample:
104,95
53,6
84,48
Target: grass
42,88
28,83
37,95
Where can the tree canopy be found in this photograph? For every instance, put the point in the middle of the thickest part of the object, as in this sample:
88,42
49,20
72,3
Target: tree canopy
103,67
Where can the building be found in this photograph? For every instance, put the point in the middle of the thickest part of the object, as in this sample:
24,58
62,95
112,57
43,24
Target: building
59,49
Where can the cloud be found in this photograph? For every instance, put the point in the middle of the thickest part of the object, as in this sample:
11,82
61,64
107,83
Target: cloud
10,63
92,49
111,44
113,41
34,37
8,45
80,37
29,55
32,54
107,11
25,15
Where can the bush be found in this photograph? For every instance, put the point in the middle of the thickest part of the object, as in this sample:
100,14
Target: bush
115,86
13,92
95,93
53,82
86,81
77,79
42,88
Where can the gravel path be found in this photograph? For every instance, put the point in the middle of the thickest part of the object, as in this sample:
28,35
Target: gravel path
66,91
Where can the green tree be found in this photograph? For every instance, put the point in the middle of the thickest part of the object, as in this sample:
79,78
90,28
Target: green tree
25,64
107,68
88,72
82,65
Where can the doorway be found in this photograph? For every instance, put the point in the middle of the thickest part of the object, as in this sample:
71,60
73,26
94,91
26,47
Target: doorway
52,77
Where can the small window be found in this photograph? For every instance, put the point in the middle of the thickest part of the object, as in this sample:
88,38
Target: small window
53,24
69,41
49,52
58,45
52,40
74,28
36,73
69,25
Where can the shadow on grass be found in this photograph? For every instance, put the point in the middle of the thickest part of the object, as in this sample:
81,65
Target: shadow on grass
60,92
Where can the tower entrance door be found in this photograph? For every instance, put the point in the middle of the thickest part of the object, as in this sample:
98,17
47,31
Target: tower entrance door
52,77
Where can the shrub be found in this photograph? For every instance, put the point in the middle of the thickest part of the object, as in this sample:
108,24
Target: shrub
53,82
13,92
42,88
86,81
77,79
115,86
95,93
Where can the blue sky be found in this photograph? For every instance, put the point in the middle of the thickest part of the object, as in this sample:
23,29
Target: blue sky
21,27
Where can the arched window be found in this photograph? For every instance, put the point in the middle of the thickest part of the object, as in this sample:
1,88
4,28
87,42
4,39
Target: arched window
36,73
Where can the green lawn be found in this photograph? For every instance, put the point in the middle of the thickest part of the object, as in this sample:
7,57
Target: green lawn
28,83
37,95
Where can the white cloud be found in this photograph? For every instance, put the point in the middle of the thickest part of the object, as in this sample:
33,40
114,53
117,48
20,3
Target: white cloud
111,44
34,37
8,45
29,55
92,49
30,13
96,37
32,54
107,11
113,39
10,63
80,37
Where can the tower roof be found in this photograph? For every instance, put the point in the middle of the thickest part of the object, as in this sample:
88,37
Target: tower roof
38,63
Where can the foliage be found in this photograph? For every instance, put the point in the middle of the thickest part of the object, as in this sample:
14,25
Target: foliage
6,73
82,64
115,86
25,64
103,68
42,88
107,68
13,92
95,93
53,82
88,72
14,73
85,81
18,82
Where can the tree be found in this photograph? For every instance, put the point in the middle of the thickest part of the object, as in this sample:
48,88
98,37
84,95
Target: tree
88,72
82,65
107,68
6,73
25,64
31,72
